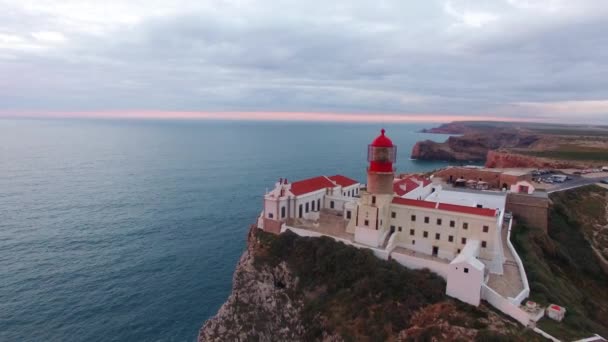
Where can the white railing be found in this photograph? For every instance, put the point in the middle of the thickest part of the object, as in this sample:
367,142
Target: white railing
522,272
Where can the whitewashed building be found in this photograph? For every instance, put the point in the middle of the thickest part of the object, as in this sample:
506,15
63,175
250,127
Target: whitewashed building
455,233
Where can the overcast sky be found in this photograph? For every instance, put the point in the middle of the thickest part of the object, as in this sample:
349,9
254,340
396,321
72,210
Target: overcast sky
514,59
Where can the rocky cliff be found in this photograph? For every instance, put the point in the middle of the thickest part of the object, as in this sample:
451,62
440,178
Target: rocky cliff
527,144
289,288
470,147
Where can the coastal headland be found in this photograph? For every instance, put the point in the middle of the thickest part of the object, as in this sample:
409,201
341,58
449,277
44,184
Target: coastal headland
516,144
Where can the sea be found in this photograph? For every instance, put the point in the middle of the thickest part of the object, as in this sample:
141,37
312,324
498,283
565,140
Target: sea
130,230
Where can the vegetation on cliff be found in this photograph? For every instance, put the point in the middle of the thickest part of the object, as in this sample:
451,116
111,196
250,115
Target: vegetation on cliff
352,295
562,267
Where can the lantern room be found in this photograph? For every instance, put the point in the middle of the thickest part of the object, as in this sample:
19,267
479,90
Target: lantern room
381,154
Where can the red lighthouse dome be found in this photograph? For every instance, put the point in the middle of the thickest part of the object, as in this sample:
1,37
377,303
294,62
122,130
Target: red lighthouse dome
381,154
382,140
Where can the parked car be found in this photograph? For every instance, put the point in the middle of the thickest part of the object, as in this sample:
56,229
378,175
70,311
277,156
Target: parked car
604,181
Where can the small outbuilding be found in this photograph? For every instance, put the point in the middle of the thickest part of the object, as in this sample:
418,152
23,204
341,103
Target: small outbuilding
466,275
522,187
556,312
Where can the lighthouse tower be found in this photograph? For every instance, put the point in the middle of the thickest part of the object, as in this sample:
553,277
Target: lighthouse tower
372,218
381,154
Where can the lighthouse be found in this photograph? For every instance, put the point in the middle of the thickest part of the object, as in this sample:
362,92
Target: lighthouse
381,154
371,224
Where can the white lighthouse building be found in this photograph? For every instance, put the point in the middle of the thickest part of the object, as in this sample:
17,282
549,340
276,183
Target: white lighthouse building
459,234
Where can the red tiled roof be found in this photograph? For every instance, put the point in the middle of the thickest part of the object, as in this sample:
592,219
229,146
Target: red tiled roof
403,186
424,181
415,203
343,180
311,184
444,206
467,210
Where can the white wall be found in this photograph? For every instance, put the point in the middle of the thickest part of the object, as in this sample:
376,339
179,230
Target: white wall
447,250
522,272
308,198
504,305
415,263
464,286
368,236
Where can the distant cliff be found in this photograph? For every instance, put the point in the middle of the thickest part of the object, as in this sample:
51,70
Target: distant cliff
470,147
520,144
289,288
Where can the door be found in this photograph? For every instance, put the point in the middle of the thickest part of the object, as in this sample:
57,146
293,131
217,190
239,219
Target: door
435,250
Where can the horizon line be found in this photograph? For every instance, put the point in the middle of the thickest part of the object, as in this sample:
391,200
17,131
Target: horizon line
260,116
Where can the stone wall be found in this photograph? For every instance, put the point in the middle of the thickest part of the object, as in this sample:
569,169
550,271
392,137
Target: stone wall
532,210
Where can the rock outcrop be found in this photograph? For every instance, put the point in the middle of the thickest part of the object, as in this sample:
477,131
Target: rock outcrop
261,306
470,147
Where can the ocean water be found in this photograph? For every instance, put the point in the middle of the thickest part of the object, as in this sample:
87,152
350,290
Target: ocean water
130,230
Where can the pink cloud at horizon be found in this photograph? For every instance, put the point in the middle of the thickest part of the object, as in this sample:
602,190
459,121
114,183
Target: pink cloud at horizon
255,116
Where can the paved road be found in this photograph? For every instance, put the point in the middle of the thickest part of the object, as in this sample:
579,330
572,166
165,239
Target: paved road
576,183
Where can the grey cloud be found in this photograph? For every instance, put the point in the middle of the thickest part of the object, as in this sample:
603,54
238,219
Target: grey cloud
391,57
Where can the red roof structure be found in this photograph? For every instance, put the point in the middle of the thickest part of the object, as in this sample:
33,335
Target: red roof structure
447,207
467,210
414,203
311,184
408,184
343,180
404,186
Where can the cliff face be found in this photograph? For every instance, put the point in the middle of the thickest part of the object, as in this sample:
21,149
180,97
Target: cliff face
505,160
470,147
261,306
289,288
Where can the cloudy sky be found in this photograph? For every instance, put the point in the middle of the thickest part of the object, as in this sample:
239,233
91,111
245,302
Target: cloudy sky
429,59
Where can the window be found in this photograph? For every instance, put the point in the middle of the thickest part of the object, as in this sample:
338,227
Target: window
465,225
312,205
464,240
479,206
452,224
300,211
426,219
437,236
282,212
425,234
439,222
399,229
307,206
484,244
392,229
451,238
319,204
458,250
412,232
331,204
413,242
393,214
413,218
485,229
270,215
366,222
348,214
466,270
373,199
